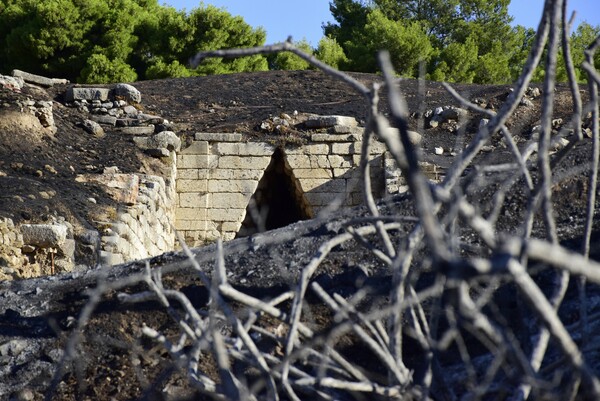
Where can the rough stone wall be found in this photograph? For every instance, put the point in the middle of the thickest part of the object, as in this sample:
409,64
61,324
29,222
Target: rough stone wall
11,242
143,228
218,174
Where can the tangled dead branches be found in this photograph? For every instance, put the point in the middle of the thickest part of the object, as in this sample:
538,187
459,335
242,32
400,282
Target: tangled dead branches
446,292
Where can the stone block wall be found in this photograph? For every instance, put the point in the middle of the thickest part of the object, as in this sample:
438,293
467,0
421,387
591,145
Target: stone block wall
143,228
218,176
11,242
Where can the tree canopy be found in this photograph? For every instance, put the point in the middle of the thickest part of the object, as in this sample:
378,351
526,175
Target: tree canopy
119,40
458,40
105,41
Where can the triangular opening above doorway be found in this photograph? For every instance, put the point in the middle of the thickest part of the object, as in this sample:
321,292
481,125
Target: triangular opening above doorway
278,200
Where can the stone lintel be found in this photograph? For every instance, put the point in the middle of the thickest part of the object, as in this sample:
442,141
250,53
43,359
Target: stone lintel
218,137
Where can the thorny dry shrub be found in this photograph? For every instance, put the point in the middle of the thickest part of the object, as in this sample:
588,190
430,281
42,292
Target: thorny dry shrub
468,345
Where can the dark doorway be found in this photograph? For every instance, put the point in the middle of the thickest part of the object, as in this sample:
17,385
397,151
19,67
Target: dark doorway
278,200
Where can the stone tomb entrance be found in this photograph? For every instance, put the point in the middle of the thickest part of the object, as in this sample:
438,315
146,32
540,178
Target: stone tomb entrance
228,188
278,200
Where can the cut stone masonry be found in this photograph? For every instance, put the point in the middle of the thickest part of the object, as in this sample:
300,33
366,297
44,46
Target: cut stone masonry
218,176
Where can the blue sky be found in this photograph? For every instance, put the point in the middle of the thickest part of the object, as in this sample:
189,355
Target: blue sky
303,19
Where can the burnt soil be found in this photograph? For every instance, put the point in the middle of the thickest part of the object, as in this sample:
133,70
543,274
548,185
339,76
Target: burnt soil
117,363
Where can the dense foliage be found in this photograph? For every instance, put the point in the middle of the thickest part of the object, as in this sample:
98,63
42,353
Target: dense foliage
119,40
456,40
105,41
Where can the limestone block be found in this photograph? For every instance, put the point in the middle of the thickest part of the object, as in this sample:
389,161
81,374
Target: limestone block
93,128
141,130
337,161
188,174
313,173
191,225
193,199
340,129
34,79
163,140
248,162
104,120
196,148
323,185
299,161
89,94
309,161
229,200
152,119
120,228
218,137
345,148
131,111
311,149
335,138
226,214
330,121
345,172
192,186
236,174
228,236
162,245
197,161
236,186
231,227
128,93
244,149
44,235
190,213
127,219
138,246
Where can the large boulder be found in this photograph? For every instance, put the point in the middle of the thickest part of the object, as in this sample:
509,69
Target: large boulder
163,140
128,92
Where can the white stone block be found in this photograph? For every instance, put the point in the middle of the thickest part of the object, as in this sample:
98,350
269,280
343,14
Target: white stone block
197,161
239,186
311,149
236,174
345,148
187,174
218,137
244,149
330,121
335,138
299,161
192,186
244,162
312,173
190,213
231,227
337,161
230,215
229,200
196,148
193,199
